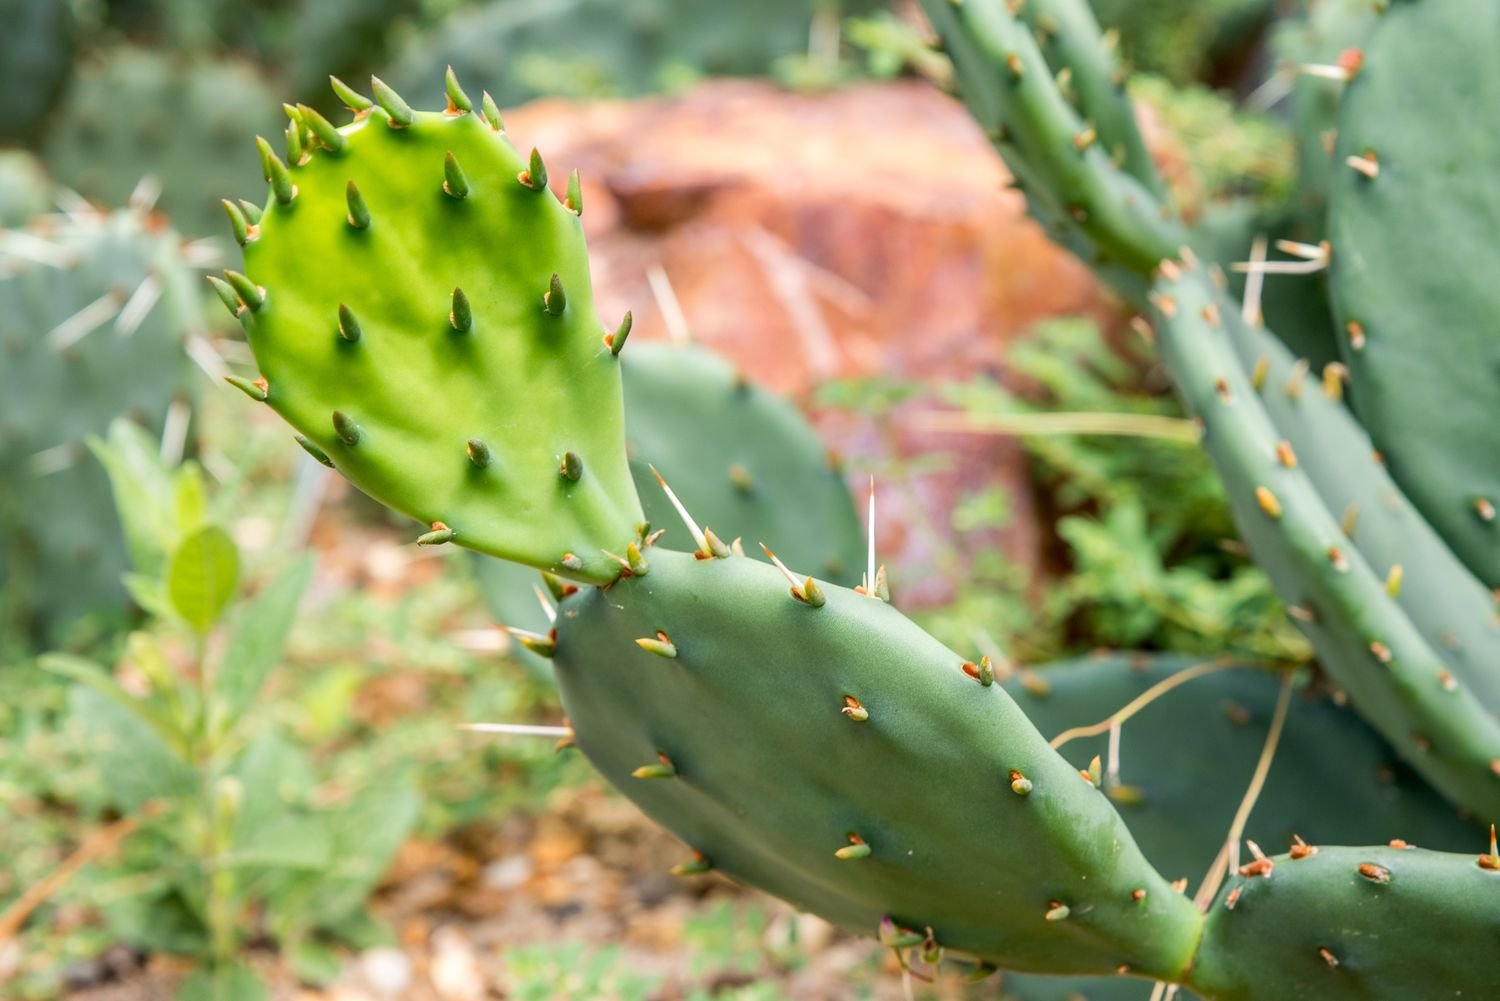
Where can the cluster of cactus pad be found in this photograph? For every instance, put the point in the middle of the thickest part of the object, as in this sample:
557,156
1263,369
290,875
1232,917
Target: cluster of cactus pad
418,302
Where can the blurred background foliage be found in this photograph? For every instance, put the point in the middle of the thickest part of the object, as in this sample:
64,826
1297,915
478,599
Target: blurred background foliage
215,751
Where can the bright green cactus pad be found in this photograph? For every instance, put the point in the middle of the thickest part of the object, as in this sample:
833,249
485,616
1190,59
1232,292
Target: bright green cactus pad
742,460
764,765
1413,247
454,336
1362,924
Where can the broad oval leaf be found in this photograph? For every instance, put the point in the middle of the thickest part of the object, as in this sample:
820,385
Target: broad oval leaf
201,576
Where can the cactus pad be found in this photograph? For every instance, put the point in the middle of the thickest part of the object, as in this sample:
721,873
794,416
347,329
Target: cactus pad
837,756
1412,217
419,304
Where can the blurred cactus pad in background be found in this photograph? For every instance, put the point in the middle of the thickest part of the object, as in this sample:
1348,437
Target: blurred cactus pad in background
686,499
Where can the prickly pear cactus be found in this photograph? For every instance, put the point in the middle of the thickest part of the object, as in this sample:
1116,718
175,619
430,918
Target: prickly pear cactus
688,413
830,752
94,310
132,113
444,354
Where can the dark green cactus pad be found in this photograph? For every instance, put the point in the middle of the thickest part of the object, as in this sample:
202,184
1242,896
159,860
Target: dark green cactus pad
742,460
91,331
771,733
420,306
1409,690
131,113
1450,607
1413,214
1362,924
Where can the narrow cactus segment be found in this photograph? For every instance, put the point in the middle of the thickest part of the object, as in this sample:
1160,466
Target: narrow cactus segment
1410,264
1395,677
1362,924
1070,39
1073,187
1454,612
531,386
771,779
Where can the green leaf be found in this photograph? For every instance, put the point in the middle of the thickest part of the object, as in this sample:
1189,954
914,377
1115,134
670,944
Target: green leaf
256,643
134,761
189,500
225,983
142,488
287,841
96,679
201,576
314,963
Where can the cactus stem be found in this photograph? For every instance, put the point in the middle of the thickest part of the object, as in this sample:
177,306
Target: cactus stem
314,451
349,328
615,341
543,645
535,175
351,98
359,212
857,848
348,431
682,512
251,294
660,644
662,769
398,113
458,101
257,389
454,181
571,467
478,452
461,316
854,709
555,300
